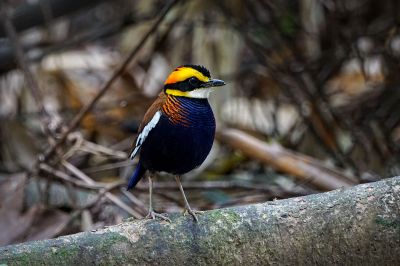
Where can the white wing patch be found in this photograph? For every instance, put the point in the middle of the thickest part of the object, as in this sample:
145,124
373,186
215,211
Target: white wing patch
146,130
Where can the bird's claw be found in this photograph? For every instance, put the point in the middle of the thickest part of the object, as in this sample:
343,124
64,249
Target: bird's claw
193,213
152,215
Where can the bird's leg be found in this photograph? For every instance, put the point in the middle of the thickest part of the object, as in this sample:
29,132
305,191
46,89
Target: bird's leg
152,214
187,206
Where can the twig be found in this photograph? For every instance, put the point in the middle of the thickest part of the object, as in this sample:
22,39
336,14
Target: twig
22,62
78,173
47,14
80,144
95,201
106,167
234,184
102,193
134,199
67,178
100,149
88,183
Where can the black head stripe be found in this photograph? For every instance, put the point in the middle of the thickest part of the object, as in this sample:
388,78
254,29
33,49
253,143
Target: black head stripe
181,86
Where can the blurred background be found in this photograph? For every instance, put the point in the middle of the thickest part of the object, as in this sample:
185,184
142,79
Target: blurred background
311,103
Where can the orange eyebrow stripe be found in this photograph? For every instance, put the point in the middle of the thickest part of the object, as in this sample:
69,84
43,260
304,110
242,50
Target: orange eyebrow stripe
170,80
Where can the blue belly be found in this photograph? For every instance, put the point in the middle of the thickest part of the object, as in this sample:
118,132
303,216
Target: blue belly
176,148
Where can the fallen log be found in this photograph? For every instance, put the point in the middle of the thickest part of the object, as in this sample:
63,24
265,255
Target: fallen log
304,168
354,226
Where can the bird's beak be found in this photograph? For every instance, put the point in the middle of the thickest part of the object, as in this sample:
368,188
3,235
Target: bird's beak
214,83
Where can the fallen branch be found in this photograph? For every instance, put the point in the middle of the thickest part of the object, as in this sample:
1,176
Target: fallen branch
88,183
300,166
355,226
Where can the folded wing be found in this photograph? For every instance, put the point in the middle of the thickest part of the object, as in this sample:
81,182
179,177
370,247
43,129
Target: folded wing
149,121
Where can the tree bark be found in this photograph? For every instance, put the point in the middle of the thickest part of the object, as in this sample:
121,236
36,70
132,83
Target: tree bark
354,226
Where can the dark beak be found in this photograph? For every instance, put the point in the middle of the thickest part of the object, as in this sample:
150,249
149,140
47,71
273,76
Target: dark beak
214,83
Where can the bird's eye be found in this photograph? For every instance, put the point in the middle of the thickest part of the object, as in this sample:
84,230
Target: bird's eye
194,81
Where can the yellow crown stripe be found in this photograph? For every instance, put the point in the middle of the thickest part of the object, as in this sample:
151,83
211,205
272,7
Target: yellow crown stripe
183,73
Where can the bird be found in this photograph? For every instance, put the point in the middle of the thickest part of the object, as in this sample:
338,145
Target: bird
177,131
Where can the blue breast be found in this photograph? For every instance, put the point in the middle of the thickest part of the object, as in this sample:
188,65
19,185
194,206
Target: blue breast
178,148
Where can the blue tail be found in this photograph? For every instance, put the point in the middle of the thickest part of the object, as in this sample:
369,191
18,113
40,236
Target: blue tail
137,175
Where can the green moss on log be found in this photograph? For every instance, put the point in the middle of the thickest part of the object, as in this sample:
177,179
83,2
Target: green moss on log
352,226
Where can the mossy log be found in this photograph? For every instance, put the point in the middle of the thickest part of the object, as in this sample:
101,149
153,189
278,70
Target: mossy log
354,226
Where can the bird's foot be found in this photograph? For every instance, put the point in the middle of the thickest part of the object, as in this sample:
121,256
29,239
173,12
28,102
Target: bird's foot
192,212
152,215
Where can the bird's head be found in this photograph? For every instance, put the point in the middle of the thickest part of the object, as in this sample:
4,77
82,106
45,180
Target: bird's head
191,81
